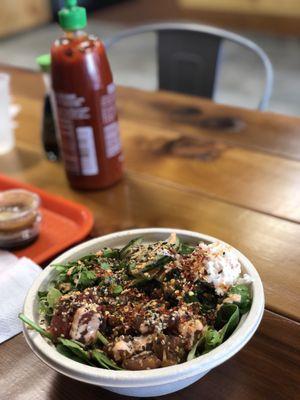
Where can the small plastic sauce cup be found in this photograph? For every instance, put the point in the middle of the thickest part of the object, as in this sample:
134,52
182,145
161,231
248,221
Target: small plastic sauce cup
19,218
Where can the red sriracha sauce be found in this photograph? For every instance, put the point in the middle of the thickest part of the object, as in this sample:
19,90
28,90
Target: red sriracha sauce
86,104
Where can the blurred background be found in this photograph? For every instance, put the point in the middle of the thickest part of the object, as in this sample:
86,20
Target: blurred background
28,27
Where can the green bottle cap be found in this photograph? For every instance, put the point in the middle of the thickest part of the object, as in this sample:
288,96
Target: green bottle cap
44,62
72,17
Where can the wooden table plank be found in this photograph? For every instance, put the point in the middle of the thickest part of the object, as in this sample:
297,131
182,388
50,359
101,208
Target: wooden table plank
24,82
267,368
272,244
200,162
267,132
158,191
240,176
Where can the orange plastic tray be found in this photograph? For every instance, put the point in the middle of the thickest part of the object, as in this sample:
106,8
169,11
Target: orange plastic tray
63,223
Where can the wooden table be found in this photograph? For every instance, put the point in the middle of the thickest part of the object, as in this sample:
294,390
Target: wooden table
228,172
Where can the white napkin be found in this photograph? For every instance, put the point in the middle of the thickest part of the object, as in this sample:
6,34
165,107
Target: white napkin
16,277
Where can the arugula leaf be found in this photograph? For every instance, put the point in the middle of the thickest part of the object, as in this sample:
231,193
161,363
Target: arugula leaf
209,340
227,320
97,357
35,326
245,303
103,360
76,349
67,353
204,294
53,297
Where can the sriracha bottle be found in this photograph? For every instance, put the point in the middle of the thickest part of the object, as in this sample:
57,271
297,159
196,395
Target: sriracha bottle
85,100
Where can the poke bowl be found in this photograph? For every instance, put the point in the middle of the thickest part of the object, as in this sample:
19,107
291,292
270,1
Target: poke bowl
198,320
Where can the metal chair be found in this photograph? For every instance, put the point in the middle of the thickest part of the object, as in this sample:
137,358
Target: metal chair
189,56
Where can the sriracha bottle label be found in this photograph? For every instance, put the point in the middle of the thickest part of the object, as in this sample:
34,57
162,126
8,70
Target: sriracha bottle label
78,144
109,120
75,148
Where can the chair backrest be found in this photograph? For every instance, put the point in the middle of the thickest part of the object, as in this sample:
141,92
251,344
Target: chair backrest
189,56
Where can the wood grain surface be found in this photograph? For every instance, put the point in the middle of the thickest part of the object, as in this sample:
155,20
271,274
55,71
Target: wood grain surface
177,187
266,132
258,154
178,175
213,168
142,201
242,157
267,368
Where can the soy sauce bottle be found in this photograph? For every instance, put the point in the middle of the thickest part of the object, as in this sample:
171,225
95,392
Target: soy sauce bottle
85,100
49,134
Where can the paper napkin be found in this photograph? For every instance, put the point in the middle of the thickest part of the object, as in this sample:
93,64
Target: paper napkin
16,277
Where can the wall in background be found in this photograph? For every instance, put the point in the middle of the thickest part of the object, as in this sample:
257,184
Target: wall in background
272,16
285,8
90,5
18,15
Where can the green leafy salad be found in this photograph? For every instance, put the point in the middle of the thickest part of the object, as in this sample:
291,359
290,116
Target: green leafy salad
144,306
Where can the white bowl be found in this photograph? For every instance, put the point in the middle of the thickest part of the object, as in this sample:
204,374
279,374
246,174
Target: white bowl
151,382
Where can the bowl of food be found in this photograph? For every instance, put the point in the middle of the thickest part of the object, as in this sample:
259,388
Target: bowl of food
143,312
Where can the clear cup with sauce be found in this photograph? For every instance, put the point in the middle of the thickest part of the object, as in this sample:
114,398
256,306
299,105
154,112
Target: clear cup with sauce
19,218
